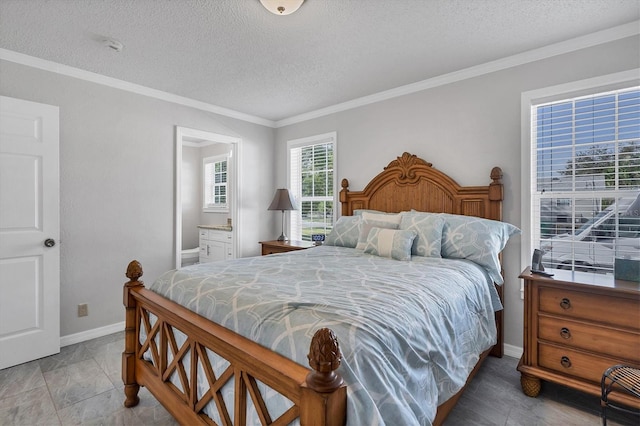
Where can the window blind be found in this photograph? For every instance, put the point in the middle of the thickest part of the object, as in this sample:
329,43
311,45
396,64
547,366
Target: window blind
215,183
586,179
312,183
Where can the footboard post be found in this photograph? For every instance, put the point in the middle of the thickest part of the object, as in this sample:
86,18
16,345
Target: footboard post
131,387
324,394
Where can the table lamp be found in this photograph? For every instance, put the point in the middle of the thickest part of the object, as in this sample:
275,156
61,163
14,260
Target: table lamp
282,201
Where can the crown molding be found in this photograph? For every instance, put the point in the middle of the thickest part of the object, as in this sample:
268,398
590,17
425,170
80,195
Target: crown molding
43,64
589,40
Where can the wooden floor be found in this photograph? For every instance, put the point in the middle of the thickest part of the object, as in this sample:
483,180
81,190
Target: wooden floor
82,385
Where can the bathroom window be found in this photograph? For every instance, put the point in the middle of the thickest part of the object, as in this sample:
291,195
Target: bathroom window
215,184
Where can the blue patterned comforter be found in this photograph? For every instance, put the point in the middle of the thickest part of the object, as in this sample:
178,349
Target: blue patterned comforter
410,332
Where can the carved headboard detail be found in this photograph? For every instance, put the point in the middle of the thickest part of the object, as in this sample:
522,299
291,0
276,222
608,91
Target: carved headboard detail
410,182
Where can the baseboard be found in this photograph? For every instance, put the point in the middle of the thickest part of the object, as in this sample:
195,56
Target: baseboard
512,351
83,336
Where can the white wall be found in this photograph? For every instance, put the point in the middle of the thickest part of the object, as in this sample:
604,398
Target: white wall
117,160
464,129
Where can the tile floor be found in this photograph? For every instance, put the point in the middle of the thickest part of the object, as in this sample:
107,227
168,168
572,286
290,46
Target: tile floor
82,385
495,397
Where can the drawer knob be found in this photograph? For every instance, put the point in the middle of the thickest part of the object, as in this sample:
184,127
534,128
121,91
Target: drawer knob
565,333
565,303
565,361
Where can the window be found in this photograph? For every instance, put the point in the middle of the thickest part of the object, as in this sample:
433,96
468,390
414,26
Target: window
215,183
585,179
312,183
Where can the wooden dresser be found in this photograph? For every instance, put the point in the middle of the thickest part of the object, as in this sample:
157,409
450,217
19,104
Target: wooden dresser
576,325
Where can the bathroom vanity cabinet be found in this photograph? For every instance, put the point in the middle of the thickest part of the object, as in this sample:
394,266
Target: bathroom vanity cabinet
216,243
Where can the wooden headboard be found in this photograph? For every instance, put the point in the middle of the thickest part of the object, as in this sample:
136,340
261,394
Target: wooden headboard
409,182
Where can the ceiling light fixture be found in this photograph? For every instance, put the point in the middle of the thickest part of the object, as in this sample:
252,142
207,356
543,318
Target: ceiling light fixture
281,7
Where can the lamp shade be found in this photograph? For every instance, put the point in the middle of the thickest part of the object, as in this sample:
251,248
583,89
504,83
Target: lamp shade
281,7
282,200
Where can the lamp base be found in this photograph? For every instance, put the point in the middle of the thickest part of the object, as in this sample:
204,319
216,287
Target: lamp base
282,237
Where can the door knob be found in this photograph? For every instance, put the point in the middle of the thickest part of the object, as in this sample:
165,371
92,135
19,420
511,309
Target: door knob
49,242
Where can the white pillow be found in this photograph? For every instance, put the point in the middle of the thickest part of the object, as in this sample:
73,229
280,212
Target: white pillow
393,218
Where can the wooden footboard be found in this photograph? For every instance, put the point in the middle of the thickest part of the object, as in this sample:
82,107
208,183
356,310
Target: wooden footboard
318,395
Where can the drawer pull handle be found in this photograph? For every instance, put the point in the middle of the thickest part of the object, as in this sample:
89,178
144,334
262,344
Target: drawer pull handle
565,303
565,361
565,333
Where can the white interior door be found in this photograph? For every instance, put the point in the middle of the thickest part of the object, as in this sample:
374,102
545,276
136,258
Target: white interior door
29,231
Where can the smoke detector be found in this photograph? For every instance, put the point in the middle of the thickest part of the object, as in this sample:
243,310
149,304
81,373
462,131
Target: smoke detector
113,44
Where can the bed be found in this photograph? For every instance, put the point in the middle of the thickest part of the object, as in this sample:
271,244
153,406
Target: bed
247,366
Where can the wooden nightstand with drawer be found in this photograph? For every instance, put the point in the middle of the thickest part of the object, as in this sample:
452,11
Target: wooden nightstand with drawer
272,247
576,325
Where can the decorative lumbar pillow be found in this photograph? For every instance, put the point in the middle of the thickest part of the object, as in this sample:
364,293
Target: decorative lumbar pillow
428,227
391,243
345,232
476,239
365,228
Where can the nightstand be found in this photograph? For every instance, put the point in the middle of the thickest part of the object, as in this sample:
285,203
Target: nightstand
271,247
576,325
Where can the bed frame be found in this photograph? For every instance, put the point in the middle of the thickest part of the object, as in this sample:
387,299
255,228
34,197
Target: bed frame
318,394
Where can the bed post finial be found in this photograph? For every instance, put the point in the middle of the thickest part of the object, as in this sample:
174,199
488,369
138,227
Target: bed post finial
323,400
343,198
496,193
496,176
134,270
324,358
131,387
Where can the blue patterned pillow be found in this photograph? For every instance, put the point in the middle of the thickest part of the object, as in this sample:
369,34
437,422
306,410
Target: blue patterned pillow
476,239
394,244
428,227
345,232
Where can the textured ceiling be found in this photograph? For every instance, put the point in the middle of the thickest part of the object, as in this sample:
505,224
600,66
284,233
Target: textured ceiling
237,55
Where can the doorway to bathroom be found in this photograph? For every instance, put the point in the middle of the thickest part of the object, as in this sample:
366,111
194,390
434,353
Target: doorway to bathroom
192,210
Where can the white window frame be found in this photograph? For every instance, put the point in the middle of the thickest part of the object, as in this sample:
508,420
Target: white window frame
295,223
215,207
530,100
